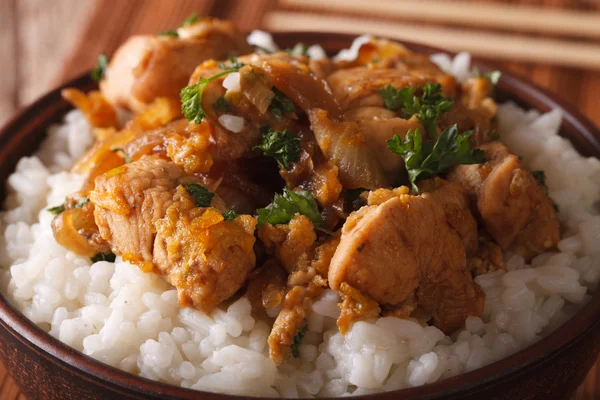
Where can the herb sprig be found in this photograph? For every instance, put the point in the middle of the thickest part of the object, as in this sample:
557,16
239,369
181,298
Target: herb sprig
229,215
201,195
426,159
492,76
298,340
99,71
426,102
283,208
281,105
284,147
191,97
110,257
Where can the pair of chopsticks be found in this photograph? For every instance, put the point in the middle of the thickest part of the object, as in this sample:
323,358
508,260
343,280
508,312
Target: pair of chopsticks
496,45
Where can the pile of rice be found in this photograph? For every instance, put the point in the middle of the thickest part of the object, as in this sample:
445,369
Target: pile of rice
126,318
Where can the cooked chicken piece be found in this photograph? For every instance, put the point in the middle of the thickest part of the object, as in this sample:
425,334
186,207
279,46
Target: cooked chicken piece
513,206
205,257
151,220
355,307
412,245
296,247
146,67
291,321
290,325
129,200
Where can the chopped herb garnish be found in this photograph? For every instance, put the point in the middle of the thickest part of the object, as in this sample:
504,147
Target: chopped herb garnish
283,208
56,210
540,176
110,257
298,340
492,76
263,49
426,102
426,159
191,97
281,105
494,135
123,154
284,147
169,32
222,105
300,49
200,194
234,63
229,215
99,71
191,20
82,203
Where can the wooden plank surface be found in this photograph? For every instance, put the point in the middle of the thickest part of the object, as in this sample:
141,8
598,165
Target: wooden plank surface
44,43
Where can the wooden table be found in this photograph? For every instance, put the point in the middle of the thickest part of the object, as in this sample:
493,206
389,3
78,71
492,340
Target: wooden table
44,43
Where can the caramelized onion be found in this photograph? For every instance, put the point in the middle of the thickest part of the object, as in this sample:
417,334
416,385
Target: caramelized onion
342,142
255,89
76,230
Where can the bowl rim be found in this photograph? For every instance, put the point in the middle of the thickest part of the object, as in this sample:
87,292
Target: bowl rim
587,318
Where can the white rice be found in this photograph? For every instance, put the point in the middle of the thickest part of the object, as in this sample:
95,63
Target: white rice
131,320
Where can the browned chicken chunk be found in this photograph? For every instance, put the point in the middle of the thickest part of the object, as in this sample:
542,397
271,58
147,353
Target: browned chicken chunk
143,210
150,66
412,245
513,206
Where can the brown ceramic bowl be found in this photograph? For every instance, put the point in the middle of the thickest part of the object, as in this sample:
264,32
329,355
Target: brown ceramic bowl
48,369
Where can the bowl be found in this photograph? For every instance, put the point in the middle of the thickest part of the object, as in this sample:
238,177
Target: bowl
45,368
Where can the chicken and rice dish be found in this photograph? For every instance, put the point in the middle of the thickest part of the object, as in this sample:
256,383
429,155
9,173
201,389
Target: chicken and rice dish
244,219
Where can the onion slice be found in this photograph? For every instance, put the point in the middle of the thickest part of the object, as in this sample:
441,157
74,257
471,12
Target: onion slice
342,142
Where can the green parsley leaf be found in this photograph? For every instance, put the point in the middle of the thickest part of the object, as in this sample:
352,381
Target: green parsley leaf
234,63
100,70
283,208
82,203
428,106
284,147
492,76
169,32
123,154
263,49
428,159
191,97
281,105
396,99
229,215
200,194
300,49
56,210
298,340
110,257
222,105
540,176
191,20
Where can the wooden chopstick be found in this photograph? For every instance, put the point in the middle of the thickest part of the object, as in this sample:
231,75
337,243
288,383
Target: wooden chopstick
489,15
484,44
